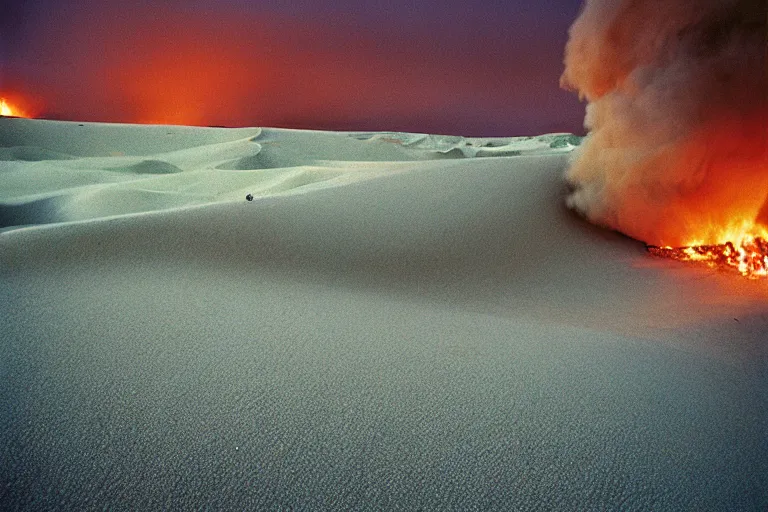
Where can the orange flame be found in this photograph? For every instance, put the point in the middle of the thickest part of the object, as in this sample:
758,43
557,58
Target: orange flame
746,252
7,109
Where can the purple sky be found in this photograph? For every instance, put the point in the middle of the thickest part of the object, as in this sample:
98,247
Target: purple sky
472,68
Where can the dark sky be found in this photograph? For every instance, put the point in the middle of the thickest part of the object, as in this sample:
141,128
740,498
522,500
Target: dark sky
482,68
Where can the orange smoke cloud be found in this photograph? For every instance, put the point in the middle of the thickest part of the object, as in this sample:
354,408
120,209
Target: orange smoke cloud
677,114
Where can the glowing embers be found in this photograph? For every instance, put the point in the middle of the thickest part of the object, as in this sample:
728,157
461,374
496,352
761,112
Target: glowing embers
6,109
749,256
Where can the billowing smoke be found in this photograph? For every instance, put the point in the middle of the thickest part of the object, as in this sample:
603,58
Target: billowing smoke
677,115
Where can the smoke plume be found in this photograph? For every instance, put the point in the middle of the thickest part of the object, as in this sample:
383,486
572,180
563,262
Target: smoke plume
677,117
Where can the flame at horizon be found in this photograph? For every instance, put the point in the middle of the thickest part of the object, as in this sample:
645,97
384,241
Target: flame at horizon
677,114
10,110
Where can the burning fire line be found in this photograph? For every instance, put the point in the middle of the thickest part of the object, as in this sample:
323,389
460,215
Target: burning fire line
749,257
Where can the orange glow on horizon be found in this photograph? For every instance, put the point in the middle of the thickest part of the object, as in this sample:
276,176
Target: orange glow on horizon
242,67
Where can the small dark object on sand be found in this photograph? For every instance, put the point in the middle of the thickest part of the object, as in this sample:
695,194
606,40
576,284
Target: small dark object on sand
249,197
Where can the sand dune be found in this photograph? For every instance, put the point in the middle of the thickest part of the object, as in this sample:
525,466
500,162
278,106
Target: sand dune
396,320
100,170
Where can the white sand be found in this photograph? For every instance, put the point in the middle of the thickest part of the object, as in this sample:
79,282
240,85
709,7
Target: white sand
397,320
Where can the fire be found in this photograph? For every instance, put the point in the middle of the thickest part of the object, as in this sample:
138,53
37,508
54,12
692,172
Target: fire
747,253
7,109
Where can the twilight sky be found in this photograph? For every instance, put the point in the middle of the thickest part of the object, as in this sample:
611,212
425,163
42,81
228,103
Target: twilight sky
482,68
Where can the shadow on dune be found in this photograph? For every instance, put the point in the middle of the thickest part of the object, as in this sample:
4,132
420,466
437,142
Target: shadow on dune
31,154
148,167
42,211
